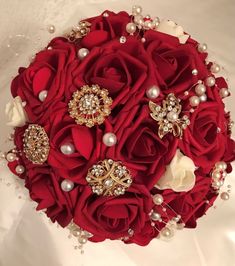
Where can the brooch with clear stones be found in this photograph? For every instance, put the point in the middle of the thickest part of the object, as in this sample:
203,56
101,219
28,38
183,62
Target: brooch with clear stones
80,31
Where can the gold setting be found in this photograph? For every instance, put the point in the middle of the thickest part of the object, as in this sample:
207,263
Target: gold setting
167,116
109,178
90,105
78,32
36,144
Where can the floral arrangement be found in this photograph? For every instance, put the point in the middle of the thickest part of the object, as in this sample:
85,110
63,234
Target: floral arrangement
120,129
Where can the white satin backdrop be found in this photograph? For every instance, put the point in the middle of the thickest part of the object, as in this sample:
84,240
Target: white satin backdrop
26,237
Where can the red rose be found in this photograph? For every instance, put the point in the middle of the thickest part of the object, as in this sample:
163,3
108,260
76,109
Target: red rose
112,217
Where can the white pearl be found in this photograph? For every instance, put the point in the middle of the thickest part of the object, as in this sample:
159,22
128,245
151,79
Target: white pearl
202,47
221,165
194,100
148,24
109,139
82,53
82,240
42,95
216,175
51,28
158,199
136,10
224,196
215,68
138,19
67,185
155,216
167,232
156,21
108,183
153,92
172,116
67,149
19,169
200,89
224,92
131,28
11,157
203,98
210,81
143,40
122,39
194,72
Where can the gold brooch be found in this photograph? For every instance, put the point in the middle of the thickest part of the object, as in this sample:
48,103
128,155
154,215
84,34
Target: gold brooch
109,178
36,144
78,32
167,116
90,105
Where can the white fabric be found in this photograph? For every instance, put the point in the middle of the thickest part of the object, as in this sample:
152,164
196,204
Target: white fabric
26,237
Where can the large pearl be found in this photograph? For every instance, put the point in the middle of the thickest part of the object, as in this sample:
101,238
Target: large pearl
82,53
215,68
167,232
194,100
158,199
221,165
224,92
155,216
136,10
109,139
67,185
42,95
203,98
224,196
202,47
131,28
67,149
200,89
11,157
210,81
19,169
153,92
172,116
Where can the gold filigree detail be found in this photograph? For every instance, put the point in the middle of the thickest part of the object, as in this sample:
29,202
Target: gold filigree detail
36,144
90,105
78,32
109,178
167,116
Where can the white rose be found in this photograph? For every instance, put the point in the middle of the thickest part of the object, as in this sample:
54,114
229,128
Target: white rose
15,112
179,175
171,28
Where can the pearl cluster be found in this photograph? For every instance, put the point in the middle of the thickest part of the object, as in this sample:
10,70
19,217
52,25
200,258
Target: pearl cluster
218,174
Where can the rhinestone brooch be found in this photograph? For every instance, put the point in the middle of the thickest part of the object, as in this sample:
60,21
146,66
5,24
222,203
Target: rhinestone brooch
167,116
80,31
36,144
90,105
109,178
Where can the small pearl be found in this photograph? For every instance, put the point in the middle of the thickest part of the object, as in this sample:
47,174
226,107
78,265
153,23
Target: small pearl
224,196
153,92
67,185
224,92
194,72
11,157
210,81
143,40
158,199
19,169
109,139
138,19
202,48
108,183
215,68
221,165
216,175
42,95
122,39
136,10
203,98
194,100
82,53
172,116
167,232
148,24
51,28
155,216
200,89
105,14
131,28
67,149
82,240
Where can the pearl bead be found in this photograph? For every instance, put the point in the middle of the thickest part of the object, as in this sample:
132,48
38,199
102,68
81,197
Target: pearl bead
202,48
131,28
67,185
194,100
221,165
224,92
108,183
19,169
216,175
167,232
210,81
51,28
109,139
136,10
224,196
172,116
215,68
143,40
155,216
153,92
67,149
138,19
82,240
203,98
148,24
42,95
158,199
82,53
200,89
194,72
122,39
11,157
